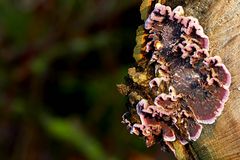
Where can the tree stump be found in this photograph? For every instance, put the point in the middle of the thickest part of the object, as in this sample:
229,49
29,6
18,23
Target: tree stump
221,22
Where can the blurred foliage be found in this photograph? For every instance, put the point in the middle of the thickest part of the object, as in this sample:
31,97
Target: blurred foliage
59,63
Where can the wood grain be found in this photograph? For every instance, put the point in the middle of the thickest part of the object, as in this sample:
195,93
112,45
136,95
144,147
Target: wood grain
221,22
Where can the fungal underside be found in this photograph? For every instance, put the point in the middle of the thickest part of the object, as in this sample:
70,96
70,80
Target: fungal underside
175,85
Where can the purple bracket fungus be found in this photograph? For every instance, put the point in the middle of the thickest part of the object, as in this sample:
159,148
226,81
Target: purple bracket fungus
177,85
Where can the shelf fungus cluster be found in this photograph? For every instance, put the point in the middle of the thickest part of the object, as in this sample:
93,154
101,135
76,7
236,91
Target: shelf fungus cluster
175,86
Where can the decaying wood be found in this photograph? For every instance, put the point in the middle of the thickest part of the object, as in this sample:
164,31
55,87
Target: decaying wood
221,22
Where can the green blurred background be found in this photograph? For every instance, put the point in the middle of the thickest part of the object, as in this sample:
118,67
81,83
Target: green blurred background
60,61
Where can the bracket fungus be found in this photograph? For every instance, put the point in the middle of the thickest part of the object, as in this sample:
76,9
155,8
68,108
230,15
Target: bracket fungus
176,86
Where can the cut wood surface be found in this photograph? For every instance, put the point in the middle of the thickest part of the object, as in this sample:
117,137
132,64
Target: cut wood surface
221,22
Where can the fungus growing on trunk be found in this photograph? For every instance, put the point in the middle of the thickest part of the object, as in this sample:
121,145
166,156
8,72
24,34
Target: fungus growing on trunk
176,84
